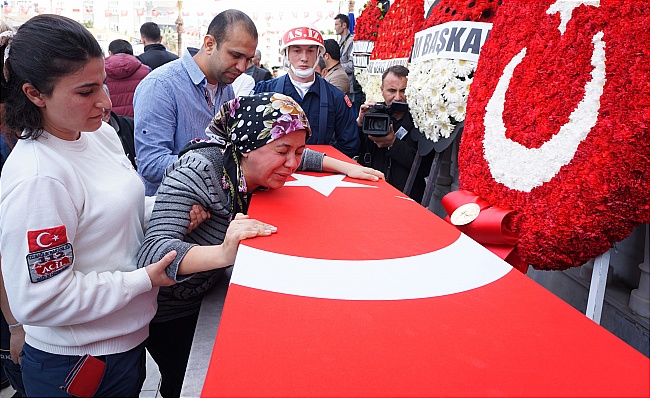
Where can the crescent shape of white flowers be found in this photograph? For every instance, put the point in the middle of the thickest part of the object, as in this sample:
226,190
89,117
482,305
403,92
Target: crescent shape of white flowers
459,267
520,168
39,237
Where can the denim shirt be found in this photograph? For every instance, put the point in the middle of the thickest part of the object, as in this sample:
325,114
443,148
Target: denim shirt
171,109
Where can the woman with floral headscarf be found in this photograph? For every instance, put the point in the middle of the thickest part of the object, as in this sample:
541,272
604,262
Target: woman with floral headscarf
255,142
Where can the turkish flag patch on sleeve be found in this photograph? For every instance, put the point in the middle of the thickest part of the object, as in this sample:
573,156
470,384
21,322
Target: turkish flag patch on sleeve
49,253
46,238
347,101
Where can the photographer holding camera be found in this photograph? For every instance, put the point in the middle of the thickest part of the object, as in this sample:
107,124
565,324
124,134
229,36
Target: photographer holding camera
389,139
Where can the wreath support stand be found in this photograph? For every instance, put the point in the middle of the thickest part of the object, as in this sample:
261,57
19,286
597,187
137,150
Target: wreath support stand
439,175
412,173
597,287
431,180
639,298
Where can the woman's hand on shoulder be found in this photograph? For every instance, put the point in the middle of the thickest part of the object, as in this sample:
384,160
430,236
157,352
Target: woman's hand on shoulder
157,271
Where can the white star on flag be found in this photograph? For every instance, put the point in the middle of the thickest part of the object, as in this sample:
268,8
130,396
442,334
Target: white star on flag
325,185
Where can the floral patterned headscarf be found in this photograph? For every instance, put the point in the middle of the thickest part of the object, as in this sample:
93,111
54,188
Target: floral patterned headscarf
245,124
251,122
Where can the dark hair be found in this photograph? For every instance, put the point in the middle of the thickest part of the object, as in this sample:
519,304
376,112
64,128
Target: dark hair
332,48
150,31
44,49
344,19
120,46
398,70
321,63
227,19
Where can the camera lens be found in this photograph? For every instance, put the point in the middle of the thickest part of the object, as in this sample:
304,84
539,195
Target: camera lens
378,125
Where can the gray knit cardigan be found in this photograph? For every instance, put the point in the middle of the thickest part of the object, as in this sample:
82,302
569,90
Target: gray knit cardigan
195,178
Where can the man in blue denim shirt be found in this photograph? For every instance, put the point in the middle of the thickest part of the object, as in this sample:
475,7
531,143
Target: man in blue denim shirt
173,105
177,101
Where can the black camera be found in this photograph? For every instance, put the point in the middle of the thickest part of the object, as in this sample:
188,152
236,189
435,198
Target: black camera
377,122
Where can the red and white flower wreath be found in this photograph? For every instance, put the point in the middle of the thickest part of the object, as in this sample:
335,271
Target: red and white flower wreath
558,125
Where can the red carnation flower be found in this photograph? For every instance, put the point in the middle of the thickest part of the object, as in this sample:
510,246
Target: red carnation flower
402,20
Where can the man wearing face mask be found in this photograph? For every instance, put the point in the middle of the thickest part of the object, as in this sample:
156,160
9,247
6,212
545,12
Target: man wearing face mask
330,112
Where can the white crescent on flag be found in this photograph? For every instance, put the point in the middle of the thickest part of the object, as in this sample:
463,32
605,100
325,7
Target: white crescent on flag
363,293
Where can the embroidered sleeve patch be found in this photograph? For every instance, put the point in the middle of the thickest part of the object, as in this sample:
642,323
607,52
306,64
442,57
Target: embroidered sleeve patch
49,253
46,238
347,101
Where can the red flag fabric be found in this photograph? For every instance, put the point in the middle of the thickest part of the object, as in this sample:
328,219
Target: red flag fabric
363,292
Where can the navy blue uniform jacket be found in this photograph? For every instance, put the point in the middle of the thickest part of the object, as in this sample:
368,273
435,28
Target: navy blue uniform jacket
342,127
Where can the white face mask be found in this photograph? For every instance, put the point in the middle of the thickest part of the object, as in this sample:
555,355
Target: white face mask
303,73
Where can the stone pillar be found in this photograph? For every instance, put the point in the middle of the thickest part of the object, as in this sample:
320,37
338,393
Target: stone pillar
640,298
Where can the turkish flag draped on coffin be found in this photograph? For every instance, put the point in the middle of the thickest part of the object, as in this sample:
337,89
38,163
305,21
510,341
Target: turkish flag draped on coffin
363,292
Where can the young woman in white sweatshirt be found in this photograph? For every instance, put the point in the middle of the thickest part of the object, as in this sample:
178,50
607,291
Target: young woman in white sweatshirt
72,216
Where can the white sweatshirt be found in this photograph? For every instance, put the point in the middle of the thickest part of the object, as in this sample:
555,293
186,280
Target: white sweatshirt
84,295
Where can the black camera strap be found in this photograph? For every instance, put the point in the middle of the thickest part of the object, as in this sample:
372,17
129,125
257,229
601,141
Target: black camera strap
322,115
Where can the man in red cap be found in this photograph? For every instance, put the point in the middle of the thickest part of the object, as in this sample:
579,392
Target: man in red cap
330,112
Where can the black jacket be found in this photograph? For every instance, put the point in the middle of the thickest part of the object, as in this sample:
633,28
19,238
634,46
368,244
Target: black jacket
123,125
155,55
258,74
396,162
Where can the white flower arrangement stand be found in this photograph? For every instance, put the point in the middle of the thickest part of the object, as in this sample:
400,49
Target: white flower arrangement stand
638,297
433,174
436,166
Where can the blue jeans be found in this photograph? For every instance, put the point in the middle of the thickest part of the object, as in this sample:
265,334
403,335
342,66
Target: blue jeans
12,370
45,373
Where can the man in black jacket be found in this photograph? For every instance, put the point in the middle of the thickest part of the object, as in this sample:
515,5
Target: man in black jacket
394,153
155,54
257,72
